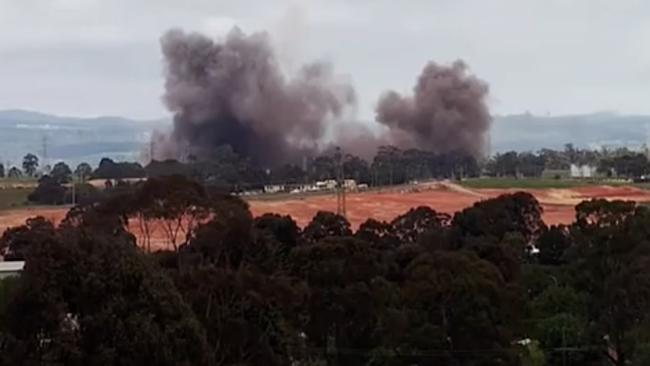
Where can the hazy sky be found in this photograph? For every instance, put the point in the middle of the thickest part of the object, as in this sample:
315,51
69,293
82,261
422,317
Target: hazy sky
101,57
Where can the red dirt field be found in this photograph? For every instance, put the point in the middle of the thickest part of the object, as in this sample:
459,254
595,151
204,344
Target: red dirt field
558,204
16,217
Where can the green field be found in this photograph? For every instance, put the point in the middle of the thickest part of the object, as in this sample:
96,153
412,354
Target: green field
13,197
533,183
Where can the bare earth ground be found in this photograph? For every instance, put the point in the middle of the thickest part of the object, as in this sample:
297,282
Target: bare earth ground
558,204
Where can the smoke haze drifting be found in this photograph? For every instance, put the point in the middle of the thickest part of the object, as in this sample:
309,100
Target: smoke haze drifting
233,92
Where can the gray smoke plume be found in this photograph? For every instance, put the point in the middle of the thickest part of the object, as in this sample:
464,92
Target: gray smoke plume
447,111
234,93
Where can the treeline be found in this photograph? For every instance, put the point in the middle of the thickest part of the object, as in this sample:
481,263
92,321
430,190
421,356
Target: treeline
389,166
621,163
60,171
395,166
224,167
491,285
228,171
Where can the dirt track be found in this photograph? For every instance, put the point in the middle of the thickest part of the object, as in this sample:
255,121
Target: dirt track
558,204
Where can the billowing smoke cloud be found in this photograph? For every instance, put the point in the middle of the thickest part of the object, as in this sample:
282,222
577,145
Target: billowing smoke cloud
447,111
233,92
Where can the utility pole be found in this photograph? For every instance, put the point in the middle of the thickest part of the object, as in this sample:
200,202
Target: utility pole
488,144
340,184
647,140
74,189
44,147
152,149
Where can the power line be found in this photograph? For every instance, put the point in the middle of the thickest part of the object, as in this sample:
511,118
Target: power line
44,149
152,149
340,184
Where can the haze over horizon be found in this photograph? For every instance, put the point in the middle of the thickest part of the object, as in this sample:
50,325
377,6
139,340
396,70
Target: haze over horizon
95,58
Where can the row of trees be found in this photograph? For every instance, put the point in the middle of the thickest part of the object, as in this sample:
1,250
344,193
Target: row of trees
30,166
61,171
492,285
390,166
13,172
228,171
620,162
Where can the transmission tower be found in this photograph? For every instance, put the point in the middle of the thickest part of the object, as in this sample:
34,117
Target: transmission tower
646,146
340,184
152,150
44,147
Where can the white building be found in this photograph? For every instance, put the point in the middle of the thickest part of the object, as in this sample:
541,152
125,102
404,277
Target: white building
582,171
274,188
11,268
350,184
326,184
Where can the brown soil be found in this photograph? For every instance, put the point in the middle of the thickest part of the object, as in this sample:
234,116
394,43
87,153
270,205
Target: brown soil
558,204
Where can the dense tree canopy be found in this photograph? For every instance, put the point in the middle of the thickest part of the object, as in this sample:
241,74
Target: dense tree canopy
30,164
61,173
108,169
225,169
14,173
49,191
83,172
95,300
491,286
621,163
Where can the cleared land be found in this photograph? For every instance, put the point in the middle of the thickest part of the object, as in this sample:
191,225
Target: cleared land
13,193
558,203
13,197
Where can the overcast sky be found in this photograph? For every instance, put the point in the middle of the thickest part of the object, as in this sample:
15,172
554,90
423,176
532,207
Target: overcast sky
101,57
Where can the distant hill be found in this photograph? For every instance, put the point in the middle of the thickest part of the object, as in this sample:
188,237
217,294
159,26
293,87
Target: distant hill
73,139
528,132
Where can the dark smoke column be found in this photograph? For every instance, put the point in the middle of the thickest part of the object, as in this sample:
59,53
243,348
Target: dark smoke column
447,112
233,92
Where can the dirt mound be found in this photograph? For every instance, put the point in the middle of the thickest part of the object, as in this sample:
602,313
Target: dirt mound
559,197
442,186
460,189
